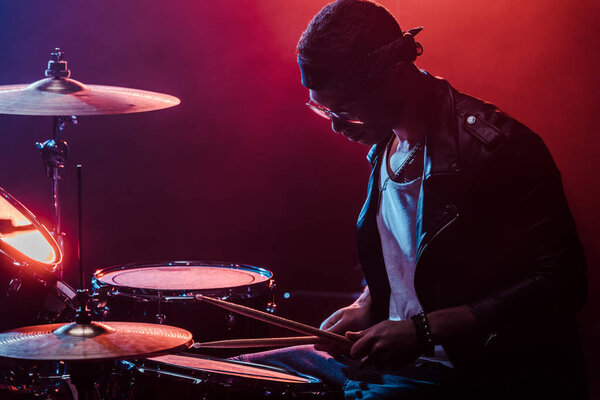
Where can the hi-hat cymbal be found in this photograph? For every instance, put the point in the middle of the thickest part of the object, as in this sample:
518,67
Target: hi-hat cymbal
64,97
94,341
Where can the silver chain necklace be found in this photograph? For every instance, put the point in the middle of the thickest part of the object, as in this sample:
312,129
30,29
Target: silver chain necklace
407,161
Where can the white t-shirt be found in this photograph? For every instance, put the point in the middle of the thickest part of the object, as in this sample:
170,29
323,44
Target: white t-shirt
397,225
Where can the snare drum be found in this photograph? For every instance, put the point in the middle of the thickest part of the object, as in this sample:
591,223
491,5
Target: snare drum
164,293
188,376
30,294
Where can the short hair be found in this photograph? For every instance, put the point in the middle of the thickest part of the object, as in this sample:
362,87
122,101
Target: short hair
347,29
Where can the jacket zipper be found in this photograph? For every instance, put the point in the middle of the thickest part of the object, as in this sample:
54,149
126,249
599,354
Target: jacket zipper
444,226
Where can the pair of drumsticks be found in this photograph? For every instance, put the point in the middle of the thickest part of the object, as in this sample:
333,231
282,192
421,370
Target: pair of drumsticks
315,335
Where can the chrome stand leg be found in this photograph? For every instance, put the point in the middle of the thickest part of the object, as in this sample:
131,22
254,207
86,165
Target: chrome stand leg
55,153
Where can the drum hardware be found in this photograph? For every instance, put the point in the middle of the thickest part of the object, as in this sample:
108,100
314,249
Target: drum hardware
271,307
64,99
85,343
29,380
34,253
29,291
166,291
55,153
162,372
186,297
200,377
80,226
137,297
99,299
230,321
161,318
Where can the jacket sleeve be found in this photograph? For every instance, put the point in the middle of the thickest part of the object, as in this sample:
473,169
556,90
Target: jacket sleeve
524,185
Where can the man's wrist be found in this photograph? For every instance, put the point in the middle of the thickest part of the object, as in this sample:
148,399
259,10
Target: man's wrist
424,334
364,299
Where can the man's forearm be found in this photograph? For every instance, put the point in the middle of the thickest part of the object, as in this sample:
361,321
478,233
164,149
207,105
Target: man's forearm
452,324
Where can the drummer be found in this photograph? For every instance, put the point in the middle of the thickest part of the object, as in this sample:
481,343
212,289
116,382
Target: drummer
474,268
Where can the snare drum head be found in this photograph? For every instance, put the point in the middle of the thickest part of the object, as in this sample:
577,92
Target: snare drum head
232,368
193,276
188,376
23,238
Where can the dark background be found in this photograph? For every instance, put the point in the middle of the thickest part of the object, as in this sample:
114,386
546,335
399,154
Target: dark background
241,170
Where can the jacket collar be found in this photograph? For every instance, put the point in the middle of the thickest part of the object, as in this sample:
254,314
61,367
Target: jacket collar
441,143
442,190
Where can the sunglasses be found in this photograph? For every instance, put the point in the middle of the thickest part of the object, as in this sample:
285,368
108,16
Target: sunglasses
328,114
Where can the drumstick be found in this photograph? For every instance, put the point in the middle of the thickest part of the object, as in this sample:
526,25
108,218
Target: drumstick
275,320
262,342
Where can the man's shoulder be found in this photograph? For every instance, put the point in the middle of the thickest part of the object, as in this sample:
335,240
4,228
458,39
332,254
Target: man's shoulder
485,121
482,134
484,127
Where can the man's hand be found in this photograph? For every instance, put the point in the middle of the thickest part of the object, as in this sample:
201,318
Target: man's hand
387,344
354,317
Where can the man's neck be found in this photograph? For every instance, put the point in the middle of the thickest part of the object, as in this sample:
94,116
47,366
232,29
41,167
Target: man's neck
411,134
414,122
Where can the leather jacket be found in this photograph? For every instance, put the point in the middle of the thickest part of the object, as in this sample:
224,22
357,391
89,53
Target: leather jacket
494,231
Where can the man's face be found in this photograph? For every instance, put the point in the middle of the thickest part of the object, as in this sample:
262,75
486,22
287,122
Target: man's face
370,119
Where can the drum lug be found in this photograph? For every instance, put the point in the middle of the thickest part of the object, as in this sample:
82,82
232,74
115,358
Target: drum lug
271,305
103,313
161,318
231,320
100,298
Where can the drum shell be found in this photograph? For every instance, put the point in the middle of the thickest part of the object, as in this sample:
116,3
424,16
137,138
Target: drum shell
204,321
179,307
32,296
14,213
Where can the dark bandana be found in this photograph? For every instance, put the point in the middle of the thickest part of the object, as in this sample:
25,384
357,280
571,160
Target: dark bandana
345,73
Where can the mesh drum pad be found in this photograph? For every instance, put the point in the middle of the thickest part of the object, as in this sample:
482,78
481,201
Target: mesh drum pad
182,278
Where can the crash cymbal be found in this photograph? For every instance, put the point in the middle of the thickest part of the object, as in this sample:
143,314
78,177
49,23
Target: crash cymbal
94,341
59,96
64,96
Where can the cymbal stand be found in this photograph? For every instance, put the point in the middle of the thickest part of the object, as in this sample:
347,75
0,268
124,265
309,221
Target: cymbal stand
55,153
85,374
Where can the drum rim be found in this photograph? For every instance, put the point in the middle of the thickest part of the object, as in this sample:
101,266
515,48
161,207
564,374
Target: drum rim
313,381
227,291
20,258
